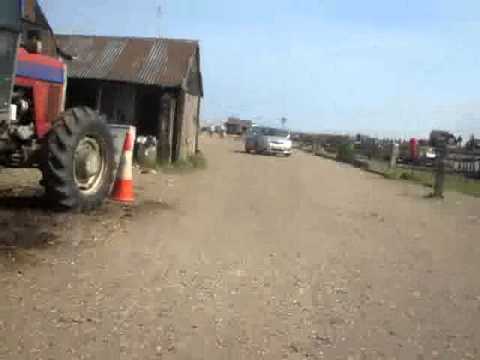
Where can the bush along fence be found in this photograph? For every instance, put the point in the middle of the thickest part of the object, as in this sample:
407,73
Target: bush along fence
441,167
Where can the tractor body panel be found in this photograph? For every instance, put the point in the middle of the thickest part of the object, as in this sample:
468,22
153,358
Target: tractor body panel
32,79
76,156
45,76
40,67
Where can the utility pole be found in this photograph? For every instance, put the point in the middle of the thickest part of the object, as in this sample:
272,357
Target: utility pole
159,11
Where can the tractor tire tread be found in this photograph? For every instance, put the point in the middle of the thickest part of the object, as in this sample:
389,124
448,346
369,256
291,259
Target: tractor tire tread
58,163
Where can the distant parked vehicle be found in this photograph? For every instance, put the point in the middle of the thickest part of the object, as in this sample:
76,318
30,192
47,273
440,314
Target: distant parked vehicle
264,140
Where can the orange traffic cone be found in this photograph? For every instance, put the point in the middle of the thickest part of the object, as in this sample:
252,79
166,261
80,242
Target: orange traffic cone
123,187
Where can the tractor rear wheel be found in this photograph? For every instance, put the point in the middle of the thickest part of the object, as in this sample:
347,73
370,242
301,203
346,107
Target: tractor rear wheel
78,164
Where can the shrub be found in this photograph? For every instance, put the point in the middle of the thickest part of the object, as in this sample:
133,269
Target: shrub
345,153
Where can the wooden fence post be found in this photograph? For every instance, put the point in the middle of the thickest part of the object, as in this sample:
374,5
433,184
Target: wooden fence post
394,155
439,185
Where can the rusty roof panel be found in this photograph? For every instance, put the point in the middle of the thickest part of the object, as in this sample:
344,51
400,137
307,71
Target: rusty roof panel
157,58
105,60
133,57
150,61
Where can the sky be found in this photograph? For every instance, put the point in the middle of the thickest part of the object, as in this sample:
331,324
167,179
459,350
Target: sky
386,68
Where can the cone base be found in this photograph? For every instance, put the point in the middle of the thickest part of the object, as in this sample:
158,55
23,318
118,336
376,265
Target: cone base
123,191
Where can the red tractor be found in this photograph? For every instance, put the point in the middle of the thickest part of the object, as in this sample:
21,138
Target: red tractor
73,148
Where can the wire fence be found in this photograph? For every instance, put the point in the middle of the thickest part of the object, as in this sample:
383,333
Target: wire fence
459,161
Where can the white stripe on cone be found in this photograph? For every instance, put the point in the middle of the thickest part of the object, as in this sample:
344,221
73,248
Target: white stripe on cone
126,164
123,188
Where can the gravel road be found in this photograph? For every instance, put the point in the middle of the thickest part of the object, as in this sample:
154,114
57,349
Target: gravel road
255,257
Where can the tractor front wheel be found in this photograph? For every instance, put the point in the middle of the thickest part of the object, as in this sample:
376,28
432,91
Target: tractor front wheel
78,166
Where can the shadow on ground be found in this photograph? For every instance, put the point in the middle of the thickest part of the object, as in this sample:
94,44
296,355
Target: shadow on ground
33,232
34,202
25,222
30,230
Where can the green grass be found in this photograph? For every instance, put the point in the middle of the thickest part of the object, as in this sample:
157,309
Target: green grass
453,183
463,185
193,162
422,177
456,183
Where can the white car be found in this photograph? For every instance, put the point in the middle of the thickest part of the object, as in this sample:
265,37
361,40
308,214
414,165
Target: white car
263,140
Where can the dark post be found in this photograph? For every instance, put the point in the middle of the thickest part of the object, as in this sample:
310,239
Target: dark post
197,132
98,105
439,185
165,129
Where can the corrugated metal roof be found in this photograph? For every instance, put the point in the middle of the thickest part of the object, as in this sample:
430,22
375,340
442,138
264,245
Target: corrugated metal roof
151,61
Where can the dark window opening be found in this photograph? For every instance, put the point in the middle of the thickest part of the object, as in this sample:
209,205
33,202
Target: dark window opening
147,111
82,93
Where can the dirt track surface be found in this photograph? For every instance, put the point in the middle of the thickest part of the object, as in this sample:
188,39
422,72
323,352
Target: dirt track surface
254,258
